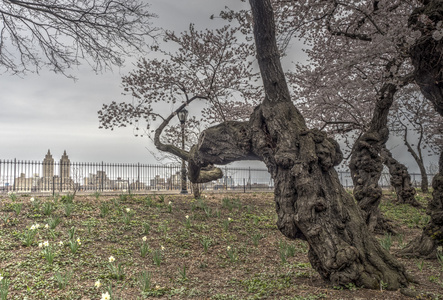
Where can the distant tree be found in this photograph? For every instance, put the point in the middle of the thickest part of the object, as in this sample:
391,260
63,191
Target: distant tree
399,179
61,34
419,117
211,67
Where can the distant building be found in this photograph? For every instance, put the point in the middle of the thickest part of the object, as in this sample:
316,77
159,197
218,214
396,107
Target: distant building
224,183
65,166
48,181
23,184
175,181
64,181
48,166
101,182
98,181
137,186
119,184
157,183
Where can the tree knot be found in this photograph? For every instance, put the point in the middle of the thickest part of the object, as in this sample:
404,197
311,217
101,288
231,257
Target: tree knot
320,205
327,150
345,257
284,159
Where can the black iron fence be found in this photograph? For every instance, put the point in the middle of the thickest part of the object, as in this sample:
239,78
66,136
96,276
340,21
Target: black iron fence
58,177
385,179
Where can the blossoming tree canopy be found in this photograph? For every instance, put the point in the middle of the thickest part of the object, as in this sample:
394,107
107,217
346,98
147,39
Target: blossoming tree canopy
210,66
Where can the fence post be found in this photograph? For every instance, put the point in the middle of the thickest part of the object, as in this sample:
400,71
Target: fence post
225,183
250,181
138,177
102,179
60,171
15,175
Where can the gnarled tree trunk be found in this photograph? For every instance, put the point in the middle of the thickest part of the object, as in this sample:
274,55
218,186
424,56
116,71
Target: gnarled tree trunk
196,190
426,55
366,164
400,179
311,204
432,235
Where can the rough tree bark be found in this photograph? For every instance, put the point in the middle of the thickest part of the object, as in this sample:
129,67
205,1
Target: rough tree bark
400,179
366,164
311,204
426,55
196,190
432,235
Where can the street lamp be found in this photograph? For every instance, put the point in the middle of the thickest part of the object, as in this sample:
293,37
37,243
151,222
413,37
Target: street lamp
182,115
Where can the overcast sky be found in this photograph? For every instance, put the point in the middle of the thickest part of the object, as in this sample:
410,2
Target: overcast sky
50,111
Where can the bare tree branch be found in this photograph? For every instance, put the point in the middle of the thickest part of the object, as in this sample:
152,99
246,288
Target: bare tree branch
62,34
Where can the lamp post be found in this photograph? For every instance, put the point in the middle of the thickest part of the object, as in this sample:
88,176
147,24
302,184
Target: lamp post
182,115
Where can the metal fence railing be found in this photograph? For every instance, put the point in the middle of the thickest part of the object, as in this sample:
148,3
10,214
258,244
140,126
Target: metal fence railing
58,177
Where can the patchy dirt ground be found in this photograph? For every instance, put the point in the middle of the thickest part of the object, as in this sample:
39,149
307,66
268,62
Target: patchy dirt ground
224,246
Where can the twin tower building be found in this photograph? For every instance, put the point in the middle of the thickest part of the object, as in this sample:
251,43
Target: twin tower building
56,176
64,166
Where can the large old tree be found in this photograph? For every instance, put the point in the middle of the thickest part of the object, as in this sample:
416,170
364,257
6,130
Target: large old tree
358,64
426,54
310,202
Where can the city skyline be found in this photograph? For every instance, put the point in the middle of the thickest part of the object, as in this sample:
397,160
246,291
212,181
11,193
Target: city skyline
52,175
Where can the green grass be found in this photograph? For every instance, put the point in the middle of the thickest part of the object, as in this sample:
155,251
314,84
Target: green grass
404,214
160,253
